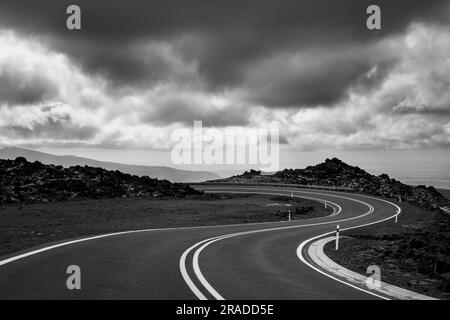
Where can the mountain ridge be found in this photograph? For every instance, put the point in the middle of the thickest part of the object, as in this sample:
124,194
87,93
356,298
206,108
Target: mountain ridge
159,172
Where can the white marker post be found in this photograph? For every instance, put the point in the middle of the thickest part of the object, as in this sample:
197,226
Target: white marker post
337,237
289,215
292,194
396,218
325,203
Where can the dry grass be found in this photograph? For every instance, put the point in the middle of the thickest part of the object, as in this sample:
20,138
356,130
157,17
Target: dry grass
25,226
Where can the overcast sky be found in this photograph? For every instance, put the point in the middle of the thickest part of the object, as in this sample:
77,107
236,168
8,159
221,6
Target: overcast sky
139,69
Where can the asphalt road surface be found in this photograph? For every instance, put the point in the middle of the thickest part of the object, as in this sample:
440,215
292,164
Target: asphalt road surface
248,261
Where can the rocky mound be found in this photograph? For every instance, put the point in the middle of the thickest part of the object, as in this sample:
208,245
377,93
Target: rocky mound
336,173
28,182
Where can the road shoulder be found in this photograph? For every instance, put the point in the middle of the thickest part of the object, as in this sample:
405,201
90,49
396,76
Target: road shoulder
317,255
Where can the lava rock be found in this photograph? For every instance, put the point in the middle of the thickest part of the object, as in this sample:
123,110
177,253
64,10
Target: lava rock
25,182
336,173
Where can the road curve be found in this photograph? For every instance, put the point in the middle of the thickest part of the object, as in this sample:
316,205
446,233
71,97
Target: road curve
248,261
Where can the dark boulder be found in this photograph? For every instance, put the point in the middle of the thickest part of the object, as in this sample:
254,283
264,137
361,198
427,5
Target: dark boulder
21,160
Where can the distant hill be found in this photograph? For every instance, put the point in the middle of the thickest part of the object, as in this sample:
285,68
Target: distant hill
335,173
171,174
22,181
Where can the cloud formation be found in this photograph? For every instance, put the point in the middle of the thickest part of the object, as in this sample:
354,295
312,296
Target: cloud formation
221,38
137,71
409,108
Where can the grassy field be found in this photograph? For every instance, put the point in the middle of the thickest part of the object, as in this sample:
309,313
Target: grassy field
407,252
25,226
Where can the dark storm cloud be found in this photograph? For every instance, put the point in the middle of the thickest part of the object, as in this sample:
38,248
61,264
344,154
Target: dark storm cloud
223,38
316,78
54,128
184,110
16,88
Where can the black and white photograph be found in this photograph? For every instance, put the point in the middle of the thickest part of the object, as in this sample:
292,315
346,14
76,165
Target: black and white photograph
252,152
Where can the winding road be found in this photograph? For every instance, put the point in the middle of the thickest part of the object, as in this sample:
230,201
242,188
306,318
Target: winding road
247,261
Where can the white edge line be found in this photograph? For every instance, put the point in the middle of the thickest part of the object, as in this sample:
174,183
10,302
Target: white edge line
303,244
354,277
185,275
37,251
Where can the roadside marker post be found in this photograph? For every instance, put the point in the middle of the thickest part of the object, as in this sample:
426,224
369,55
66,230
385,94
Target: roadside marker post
289,215
337,237
292,195
325,204
396,218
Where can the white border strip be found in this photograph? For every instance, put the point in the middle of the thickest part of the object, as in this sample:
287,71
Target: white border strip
304,243
316,253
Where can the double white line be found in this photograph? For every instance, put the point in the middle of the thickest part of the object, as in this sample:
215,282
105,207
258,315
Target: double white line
200,246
